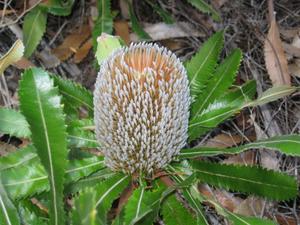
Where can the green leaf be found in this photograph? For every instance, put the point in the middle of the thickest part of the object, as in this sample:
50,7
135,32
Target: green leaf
13,123
136,26
8,212
238,219
25,180
17,158
90,181
174,212
206,8
105,193
13,55
106,45
221,80
31,178
178,176
221,109
243,220
202,65
80,134
165,15
40,104
252,180
74,94
287,144
104,22
141,204
29,217
34,28
190,194
59,7
272,94
84,212
78,169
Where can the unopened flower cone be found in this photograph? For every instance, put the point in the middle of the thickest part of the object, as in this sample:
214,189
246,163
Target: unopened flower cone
141,102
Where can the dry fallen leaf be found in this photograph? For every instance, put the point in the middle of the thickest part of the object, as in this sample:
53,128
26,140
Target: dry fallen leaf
295,69
7,12
225,198
122,30
285,220
251,206
244,158
161,31
23,63
83,51
47,58
172,44
289,33
275,58
223,141
13,55
71,43
291,50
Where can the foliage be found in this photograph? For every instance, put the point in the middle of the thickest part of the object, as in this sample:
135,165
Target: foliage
136,27
269,184
13,123
104,21
33,29
8,212
206,8
60,161
35,22
40,104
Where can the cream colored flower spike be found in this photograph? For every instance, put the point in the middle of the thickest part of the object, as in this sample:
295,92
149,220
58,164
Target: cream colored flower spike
141,103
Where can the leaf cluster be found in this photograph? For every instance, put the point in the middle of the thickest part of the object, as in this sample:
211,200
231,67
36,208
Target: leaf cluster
58,164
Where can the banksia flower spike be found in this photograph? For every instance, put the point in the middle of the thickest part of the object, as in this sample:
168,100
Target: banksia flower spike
141,102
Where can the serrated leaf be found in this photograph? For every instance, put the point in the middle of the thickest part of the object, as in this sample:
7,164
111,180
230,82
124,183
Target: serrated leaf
190,194
206,8
238,219
165,15
106,44
85,213
272,94
141,204
221,109
80,134
31,178
174,212
13,55
254,180
287,144
90,181
59,7
74,95
81,168
17,158
8,212
243,220
40,104
25,180
29,217
104,22
13,123
179,177
135,25
221,80
34,28
202,65
105,193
